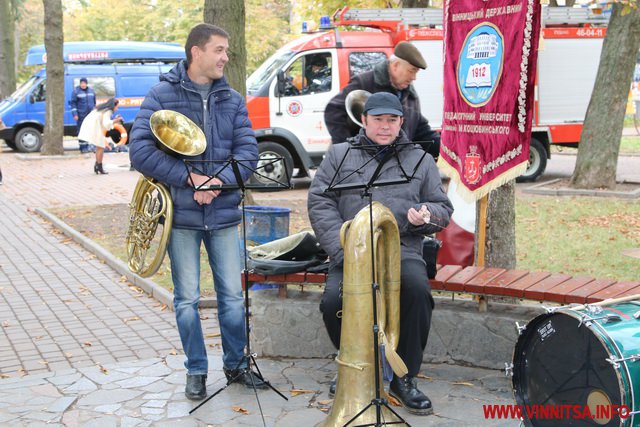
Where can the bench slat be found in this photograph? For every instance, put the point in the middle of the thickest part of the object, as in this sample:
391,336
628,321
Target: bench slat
457,281
477,284
616,290
537,290
518,288
583,293
500,285
560,293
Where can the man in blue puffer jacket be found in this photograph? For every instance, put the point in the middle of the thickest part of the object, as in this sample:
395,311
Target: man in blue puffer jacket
197,88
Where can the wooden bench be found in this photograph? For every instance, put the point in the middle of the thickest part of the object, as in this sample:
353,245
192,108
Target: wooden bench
486,281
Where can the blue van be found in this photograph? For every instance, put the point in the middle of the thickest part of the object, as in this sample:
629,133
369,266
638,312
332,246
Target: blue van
126,70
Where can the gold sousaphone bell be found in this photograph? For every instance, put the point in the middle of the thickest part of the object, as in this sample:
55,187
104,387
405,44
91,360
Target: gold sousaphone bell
151,204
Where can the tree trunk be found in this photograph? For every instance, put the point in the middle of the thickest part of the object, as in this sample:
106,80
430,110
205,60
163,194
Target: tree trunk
599,147
500,240
230,15
7,49
54,115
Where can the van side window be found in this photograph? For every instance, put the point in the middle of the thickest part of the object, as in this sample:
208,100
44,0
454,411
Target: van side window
39,94
359,62
309,74
104,87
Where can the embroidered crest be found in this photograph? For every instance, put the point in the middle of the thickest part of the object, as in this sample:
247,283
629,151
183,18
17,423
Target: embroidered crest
472,165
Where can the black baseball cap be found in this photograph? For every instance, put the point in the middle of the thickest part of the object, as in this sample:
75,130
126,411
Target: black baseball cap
383,103
83,79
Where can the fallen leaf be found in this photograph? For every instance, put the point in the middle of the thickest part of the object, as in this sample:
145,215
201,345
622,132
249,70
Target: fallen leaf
5,376
325,402
43,362
296,391
213,335
6,324
424,377
240,410
87,344
103,369
164,307
173,352
131,319
68,355
462,383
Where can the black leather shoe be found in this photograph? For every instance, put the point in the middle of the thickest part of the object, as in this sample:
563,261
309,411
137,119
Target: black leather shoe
196,388
245,376
405,390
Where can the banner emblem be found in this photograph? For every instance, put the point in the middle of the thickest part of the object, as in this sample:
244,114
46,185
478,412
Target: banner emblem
472,166
480,64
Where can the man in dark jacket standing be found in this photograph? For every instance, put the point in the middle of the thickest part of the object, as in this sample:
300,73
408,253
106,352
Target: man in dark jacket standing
420,207
197,88
83,100
395,76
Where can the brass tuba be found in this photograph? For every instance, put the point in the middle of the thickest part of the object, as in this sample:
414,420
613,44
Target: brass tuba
354,104
355,388
151,204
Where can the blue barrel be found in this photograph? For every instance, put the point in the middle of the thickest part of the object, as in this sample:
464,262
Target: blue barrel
266,223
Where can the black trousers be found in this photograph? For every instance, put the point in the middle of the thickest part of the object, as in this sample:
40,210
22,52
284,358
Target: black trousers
416,306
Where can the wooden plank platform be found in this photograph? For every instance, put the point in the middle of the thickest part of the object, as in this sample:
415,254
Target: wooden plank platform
537,286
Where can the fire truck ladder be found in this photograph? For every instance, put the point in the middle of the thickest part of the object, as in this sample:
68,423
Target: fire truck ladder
389,18
573,16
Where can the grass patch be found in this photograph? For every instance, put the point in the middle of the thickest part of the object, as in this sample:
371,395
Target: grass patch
578,236
630,144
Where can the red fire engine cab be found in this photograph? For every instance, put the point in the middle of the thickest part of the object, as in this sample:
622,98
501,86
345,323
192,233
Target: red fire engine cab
287,94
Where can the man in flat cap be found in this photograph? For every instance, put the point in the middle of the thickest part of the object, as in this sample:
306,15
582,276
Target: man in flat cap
419,207
395,76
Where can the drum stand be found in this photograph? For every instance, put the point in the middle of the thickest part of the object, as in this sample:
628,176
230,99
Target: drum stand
236,166
392,152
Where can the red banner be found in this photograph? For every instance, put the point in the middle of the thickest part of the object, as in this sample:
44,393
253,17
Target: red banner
491,51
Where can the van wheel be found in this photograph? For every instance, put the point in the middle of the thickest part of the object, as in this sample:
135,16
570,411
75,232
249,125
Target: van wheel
537,162
28,140
270,170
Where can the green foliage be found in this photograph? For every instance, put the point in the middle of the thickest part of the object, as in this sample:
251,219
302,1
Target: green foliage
578,236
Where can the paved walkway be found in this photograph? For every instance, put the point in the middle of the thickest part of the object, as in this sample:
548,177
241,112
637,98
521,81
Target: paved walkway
80,346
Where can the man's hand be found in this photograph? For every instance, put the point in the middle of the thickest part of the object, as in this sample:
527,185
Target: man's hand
204,197
75,117
419,217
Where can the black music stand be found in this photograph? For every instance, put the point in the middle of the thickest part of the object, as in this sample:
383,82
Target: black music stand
214,169
382,154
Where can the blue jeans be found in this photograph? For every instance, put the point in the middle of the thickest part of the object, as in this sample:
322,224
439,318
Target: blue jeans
222,249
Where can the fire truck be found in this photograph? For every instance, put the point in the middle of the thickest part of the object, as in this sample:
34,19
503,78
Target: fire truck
287,94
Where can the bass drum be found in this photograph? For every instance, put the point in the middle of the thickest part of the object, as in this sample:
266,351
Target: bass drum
585,358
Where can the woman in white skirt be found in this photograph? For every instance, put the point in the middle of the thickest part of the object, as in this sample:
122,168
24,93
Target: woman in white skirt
94,127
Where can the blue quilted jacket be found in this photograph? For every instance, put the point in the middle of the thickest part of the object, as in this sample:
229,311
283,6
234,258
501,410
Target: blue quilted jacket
225,122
